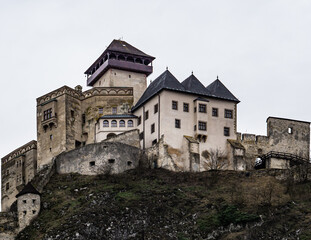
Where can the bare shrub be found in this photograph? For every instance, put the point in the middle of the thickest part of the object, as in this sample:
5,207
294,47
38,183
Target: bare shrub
216,159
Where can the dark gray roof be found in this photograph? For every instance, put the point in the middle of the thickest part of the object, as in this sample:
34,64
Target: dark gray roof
165,81
112,116
193,85
28,189
124,47
218,90
201,99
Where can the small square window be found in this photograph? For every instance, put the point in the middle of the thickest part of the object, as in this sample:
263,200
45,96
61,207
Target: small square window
202,126
34,211
202,108
33,200
228,113
175,105
24,201
177,123
215,112
226,131
152,128
154,142
111,160
92,163
129,163
186,107
156,108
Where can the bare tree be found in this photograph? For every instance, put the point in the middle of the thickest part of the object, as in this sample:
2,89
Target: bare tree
216,159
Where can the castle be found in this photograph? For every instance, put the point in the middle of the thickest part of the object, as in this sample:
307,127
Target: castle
178,125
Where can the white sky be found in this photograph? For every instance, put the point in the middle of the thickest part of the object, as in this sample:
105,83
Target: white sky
260,49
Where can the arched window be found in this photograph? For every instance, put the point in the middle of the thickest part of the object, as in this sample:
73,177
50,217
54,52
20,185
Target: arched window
130,123
122,123
130,59
114,123
138,60
121,57
106,123
112,56
146,62
110,135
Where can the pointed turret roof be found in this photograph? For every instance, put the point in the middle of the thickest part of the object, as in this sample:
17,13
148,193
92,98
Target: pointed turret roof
29,188
165,81
193,85
218,89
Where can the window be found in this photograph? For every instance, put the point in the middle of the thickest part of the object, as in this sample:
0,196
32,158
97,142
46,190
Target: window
105,123
51,137
186,107
33,200
141,136
146,115
202,108
175,105
122,123
92,163
228,113
72,114
215,112
195,127
130,76
152,128
177,123
195,109
226,131
33,211
114,123
156,108
47,114
100,110
202,126
114,110
111,160
130,123
129,163
154,142
24,201
83,118
290,130
139,121
7,172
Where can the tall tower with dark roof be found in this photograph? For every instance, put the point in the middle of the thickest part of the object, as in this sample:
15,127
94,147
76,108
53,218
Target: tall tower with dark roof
121,65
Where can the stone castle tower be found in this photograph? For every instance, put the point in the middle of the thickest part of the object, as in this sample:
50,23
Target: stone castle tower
67,117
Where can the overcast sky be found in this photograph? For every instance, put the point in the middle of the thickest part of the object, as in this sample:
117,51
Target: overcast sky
260,49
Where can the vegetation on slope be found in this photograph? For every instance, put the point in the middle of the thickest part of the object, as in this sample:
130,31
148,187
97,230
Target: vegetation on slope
158,204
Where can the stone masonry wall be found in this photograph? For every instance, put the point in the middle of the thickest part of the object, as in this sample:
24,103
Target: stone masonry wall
99,158
130,138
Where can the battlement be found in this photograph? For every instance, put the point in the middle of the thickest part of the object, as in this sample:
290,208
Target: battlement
96,91
19,151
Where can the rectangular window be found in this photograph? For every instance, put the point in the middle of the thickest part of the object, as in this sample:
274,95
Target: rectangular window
177,123
7,186
114,110
186,107
47,114
228,113
72,113
141,136
154,141
139,121
202,108
100,110
146,115
152,128
202,126
156,108
215,112
195,109
83,118
175,105
51,137
226,131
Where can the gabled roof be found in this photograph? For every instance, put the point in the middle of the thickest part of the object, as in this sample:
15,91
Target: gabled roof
217,89
165,81
192,84
29,188
124,47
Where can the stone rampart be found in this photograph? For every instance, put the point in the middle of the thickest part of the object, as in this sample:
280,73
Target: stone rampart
129,137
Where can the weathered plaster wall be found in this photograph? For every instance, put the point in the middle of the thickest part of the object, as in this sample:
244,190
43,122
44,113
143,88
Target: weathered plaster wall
99,158
28,207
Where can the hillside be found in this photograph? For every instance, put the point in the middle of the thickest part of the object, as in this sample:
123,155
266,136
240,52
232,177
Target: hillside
158,204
